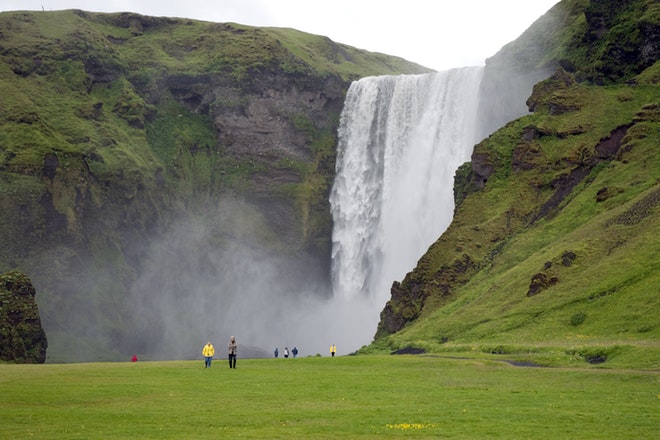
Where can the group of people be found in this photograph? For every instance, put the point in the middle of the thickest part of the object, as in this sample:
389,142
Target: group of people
209,351
333,351
294,352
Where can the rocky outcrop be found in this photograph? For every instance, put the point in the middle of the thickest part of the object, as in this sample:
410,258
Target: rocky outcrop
624,38
409,298
22,339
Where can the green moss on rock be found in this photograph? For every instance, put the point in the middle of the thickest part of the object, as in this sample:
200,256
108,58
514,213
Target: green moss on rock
22,339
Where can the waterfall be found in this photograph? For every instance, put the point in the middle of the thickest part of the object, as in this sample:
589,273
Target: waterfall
401,139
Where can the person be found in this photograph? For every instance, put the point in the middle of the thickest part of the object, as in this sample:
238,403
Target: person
233,346
286,352
276,352
208,351
294,352
134,358
333,350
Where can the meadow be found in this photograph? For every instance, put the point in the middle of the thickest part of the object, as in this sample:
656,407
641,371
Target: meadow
346,397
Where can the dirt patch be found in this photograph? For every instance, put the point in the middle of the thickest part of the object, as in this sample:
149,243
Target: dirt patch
409,350
524,364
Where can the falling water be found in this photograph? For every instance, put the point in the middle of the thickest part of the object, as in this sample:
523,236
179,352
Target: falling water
401,139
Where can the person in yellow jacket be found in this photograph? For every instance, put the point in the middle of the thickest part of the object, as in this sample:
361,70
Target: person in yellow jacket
333,350
208,351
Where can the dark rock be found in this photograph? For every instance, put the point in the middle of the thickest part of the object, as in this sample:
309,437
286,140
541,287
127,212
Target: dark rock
482,168
539,282
609,146
567,258
524,157
22,339
595,359
51,163
603,194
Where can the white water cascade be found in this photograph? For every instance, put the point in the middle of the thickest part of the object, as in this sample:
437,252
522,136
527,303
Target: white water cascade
401,139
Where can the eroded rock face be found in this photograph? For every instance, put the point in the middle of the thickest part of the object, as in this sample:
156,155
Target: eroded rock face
261,120
22,339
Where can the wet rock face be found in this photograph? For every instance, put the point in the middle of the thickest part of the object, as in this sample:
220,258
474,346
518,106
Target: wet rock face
268,117
22,339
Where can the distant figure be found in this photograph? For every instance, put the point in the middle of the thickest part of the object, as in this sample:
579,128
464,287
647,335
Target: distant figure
208,351
134,358
276,352
294,352
286,352
333,350
233,346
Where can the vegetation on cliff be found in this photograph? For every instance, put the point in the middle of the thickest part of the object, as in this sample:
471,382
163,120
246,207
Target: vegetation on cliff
115,129
564,257
23,338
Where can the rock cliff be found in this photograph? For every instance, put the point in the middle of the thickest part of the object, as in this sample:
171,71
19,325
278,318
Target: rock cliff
23,338
143,157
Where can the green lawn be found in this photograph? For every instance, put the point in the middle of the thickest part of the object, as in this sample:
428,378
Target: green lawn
322,397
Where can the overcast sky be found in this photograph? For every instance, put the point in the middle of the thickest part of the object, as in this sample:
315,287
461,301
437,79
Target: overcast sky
439,34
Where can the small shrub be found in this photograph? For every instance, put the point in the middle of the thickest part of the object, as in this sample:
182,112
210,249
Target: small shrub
499,349
578,318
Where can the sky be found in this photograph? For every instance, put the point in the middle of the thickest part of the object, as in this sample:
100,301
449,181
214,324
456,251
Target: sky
439,34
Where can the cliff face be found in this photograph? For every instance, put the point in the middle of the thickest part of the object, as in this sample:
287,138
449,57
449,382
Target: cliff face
127,141
533,243
23,338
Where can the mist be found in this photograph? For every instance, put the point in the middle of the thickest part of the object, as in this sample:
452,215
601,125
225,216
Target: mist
198,282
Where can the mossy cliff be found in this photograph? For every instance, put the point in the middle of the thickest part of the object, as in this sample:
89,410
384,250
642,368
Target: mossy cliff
117,129
555,237
23,340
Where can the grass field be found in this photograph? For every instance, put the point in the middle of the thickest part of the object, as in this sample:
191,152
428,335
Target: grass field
321,397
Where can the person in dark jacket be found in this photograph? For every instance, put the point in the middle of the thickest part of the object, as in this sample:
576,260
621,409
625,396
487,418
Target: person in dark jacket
233,347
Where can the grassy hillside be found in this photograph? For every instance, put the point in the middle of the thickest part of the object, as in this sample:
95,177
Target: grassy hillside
97,87
553,249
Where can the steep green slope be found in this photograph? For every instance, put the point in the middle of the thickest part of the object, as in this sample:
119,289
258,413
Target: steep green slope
554,243
121,133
